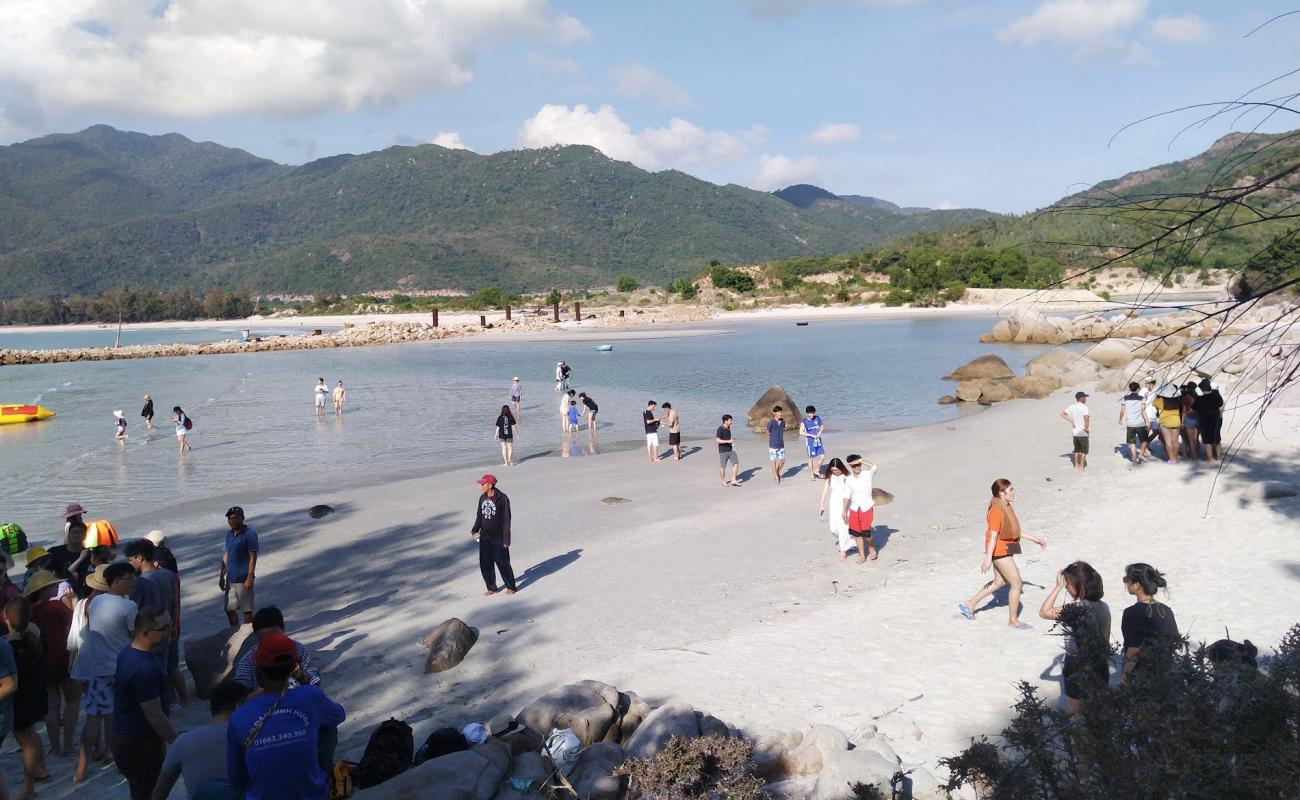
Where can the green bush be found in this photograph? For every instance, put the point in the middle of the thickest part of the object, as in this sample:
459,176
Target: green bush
488,297
626,283
553,297
727,278
954,291
898,297
711,767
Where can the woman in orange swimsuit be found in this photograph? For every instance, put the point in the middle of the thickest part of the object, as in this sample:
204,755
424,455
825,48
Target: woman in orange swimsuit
1002,537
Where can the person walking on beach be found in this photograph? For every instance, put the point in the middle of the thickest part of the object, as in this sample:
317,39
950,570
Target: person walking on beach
320,392
674,431
110,618
1210,407
238,563
651,430
517,396
859,507
727,453
183,426
834,495
142,704
1002,537
147,412
1170,414
1133,416
340,395
591,410
492,532
1147,621
1077,415
776,443
1086,620
505,432
811,428
120,435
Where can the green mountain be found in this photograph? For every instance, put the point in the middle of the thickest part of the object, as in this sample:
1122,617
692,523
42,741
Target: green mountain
805,195
102,208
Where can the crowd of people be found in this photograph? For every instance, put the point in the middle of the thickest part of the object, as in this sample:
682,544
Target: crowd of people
1185,420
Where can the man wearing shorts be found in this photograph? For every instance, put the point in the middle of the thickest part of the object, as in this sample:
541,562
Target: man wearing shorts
860,506
811,428
1077,415
674,431
1133,416
238,562
776,443
651,431
321,391
727,453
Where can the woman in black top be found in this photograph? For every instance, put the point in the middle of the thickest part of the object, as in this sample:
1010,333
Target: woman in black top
506,427
1148,620
592,410
147,411
1209,406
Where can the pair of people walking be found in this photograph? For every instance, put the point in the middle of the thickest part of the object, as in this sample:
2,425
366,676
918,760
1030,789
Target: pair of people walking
847,498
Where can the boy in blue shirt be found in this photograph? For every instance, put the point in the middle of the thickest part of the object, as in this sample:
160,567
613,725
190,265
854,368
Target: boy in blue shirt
811,429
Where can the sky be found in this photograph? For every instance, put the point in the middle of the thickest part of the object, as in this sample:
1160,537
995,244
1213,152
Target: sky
999,104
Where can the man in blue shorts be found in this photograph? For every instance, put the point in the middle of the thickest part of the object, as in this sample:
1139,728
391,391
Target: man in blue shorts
776,443
811,428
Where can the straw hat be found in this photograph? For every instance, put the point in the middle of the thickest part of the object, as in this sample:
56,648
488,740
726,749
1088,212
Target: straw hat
39,581
36,554
157,537
95,580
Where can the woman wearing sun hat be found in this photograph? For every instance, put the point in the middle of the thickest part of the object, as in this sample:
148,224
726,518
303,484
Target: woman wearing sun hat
63,695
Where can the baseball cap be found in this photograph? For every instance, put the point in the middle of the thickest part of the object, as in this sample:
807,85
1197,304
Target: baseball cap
234,511
276,650
488,478
1080,395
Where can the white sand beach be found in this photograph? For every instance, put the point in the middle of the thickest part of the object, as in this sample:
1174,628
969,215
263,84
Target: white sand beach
733,599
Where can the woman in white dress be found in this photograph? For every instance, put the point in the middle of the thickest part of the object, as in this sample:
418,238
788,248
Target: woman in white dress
837,489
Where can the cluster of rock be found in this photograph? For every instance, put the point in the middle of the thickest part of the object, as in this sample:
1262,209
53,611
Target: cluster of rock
354,336
988,379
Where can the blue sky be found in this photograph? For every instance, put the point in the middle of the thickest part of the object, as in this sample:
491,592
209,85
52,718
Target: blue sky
1005,105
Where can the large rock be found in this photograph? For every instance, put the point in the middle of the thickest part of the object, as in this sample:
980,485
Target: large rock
837,777
1111,353
1034,386
995,392
474,774
1171,348
985,366
665,722
820,745
1070,368
448,644
577,708
762,410
593,776
210,659
632,712
969,391
1003,331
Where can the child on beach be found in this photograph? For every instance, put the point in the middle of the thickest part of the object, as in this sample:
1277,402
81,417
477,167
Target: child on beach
121,426
811,428
572,417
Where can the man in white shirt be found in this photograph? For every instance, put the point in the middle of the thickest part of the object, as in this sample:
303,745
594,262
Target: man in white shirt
859,506
1077,415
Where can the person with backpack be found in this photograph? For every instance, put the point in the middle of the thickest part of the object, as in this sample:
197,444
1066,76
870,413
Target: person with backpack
183,426
271,742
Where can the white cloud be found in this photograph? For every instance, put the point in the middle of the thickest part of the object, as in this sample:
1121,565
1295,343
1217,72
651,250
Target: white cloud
834,133
643,83
202,58
1187,28
558,65
679,144
777,172
450,140
1092,27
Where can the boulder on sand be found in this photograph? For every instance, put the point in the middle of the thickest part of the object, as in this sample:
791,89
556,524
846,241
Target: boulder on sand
762,410
995,392
1066,366
1003,331
985,366
665,722
1112,353
1034,387
969,391
448,645
579,708
593,775
211,659
947,400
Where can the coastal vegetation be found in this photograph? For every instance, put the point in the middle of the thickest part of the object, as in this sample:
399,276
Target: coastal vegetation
128,305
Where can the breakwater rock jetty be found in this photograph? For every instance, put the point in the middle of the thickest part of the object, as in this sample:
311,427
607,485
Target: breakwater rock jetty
357,336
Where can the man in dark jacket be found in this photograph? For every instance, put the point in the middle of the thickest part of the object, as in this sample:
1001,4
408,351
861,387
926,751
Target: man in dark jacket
492,530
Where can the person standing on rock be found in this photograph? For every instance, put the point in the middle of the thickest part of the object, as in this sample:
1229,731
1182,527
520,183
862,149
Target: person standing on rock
238,563
651,430
674,431
1077,415
517,396
340,395
1133,416
811,428
147,412
492,532
859,506
727,453
776,443
320,392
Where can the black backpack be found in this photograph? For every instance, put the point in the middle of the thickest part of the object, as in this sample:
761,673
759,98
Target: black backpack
388,753
441,742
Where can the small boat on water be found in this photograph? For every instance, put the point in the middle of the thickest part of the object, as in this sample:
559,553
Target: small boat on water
23,413
604,348
802,324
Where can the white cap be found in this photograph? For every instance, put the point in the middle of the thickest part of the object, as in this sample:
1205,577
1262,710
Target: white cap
117,413
157,537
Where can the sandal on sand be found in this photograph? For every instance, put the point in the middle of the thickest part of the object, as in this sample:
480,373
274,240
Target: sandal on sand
966,612
1022,626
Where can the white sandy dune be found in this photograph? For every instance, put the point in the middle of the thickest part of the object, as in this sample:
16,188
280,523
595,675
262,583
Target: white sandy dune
734,600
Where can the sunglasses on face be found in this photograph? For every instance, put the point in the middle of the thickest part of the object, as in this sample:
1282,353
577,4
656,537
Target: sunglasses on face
855,466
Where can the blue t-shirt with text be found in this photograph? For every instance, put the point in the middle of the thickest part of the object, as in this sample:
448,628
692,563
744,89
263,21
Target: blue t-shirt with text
281,762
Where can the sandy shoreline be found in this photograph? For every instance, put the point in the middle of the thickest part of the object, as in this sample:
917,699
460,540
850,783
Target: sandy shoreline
733,600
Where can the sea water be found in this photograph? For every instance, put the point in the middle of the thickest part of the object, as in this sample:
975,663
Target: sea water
427,407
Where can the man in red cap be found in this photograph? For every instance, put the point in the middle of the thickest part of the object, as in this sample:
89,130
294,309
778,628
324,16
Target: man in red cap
271,743
492,531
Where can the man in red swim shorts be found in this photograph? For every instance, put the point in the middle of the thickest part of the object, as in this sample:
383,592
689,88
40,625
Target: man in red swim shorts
859,508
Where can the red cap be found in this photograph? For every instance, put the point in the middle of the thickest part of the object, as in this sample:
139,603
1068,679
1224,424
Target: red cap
276,650
488,478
